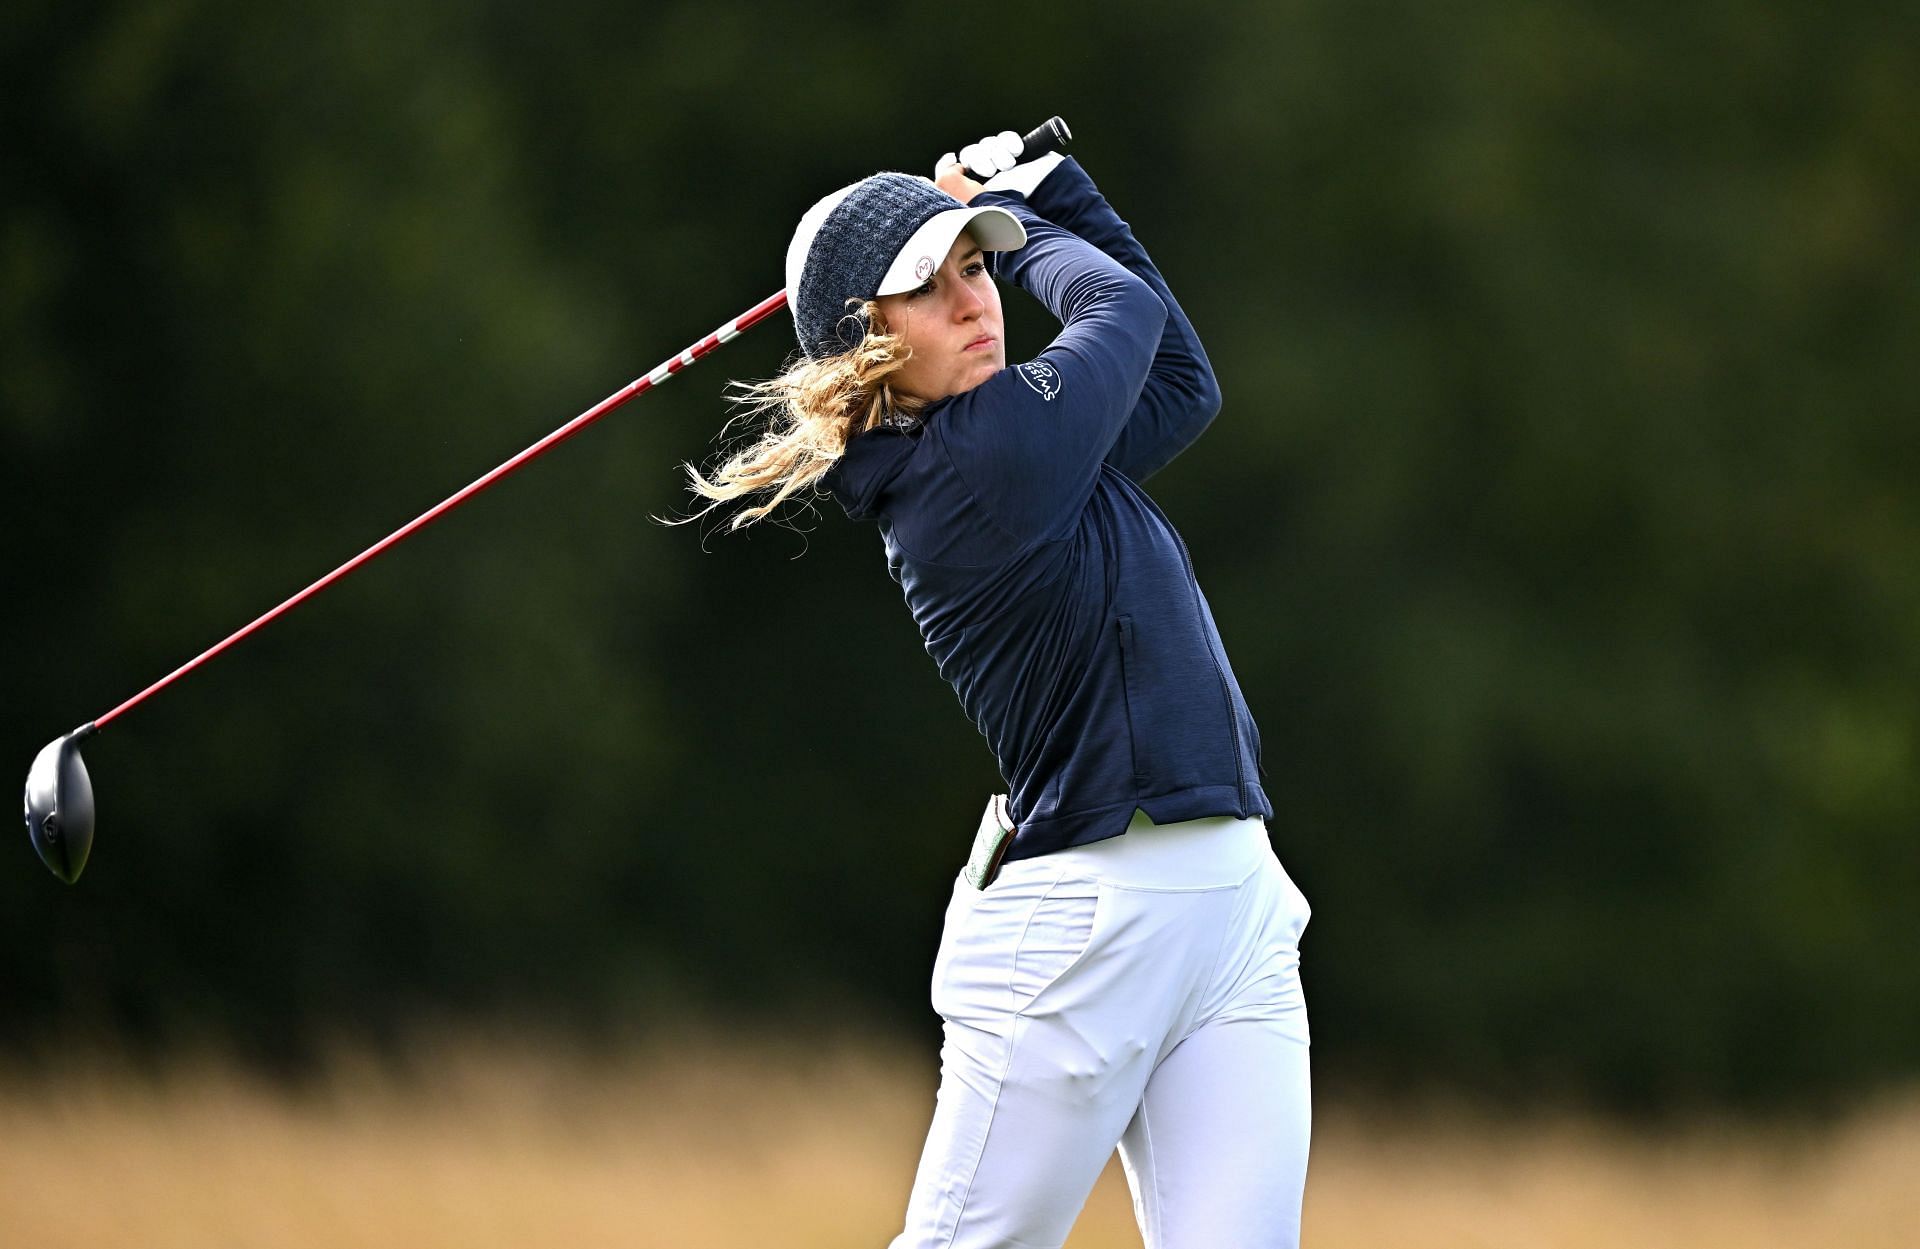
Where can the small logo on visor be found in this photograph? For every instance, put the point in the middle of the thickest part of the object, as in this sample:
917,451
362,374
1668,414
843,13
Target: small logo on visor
1043,377
924,269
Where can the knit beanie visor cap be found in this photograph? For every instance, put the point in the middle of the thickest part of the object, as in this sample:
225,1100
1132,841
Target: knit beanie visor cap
883,235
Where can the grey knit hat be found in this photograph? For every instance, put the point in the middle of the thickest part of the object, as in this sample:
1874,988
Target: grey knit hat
883,235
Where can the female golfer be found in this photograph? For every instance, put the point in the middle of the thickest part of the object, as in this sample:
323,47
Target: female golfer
1123,969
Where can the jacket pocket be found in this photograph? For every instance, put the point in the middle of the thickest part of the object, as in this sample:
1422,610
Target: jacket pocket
1129,696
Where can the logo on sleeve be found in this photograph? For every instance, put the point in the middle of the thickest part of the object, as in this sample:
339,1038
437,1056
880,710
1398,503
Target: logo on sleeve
1043,377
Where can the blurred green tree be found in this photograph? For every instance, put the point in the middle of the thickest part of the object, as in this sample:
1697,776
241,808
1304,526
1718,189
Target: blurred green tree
1560,521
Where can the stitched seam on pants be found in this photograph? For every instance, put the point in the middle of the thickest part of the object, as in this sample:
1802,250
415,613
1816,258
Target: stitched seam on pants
1227,932
1150,1224
999,1086
1123,886
993,1111
1130,887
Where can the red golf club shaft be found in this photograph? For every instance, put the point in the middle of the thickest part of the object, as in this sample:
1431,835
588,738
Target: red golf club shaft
726,333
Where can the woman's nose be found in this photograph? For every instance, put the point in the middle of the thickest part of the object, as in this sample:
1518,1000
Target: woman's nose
967,304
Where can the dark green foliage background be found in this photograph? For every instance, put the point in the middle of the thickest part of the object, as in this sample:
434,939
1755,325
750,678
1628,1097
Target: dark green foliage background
1561,520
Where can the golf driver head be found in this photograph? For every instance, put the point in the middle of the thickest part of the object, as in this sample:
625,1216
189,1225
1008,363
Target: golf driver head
60,806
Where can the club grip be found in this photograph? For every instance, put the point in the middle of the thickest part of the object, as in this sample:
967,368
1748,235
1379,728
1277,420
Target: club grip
1050,135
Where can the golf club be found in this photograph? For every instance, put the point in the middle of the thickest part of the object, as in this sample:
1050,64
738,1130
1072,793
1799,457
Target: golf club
59,794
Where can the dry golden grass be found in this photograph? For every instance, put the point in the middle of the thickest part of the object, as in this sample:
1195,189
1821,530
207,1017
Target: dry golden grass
706,1146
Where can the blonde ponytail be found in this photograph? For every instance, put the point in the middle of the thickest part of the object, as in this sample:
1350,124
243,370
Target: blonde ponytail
810,412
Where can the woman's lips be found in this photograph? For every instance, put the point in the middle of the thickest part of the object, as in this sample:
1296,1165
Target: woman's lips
985,340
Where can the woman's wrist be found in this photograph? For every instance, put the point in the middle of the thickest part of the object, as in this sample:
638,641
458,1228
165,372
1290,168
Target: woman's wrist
952,178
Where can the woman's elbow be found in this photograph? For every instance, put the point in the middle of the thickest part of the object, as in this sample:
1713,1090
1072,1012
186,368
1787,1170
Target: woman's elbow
1198,392
1206,395
1140,307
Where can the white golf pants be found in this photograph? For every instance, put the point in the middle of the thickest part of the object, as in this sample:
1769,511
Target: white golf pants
1142,991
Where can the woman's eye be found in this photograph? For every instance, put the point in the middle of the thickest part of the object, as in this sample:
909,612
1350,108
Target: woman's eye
977,268
925,288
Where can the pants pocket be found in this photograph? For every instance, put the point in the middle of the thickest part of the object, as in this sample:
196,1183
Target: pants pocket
1004,946
1298,910
1057,936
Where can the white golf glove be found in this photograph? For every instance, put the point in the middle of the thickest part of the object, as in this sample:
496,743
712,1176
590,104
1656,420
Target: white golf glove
992,155
995,161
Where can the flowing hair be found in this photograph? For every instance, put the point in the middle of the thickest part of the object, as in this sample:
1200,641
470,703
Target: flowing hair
807,415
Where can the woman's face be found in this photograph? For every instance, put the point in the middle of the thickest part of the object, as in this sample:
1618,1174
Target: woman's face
951,324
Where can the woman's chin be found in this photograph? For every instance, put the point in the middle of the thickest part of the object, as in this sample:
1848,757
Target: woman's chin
981,372
967,378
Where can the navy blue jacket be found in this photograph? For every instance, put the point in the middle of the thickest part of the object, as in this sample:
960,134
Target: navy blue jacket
1054,595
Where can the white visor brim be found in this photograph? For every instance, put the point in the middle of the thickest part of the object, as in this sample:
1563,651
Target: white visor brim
995,229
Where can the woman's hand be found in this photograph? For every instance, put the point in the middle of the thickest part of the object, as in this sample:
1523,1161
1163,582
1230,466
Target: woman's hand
991,156
951,176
